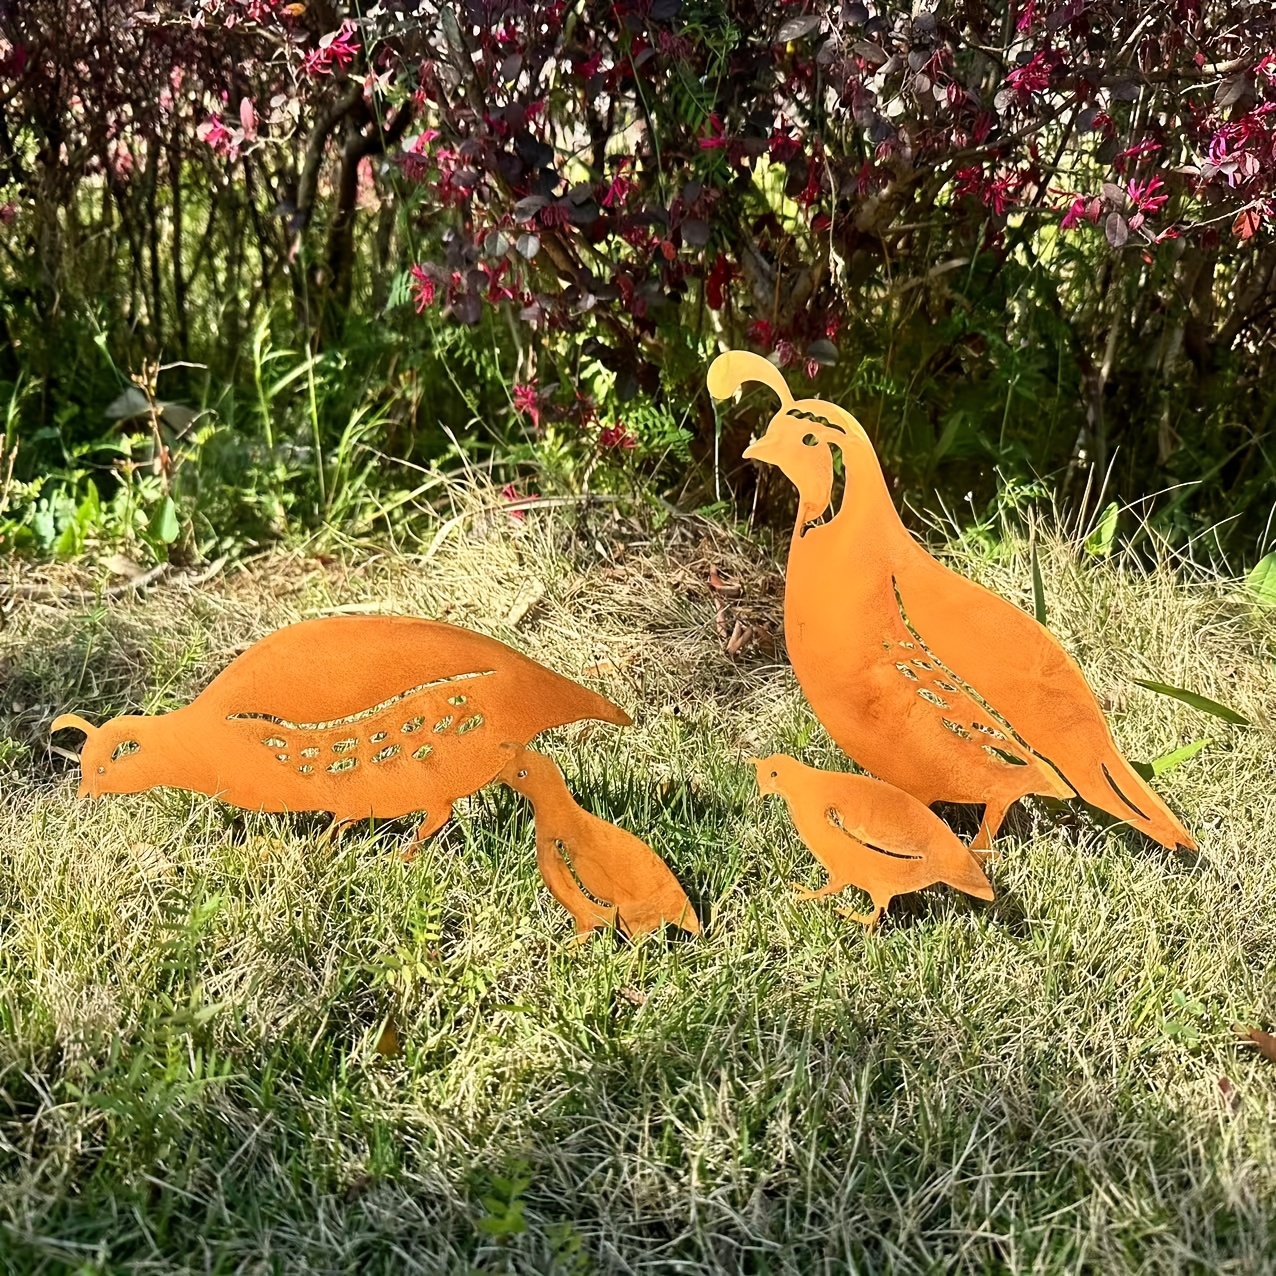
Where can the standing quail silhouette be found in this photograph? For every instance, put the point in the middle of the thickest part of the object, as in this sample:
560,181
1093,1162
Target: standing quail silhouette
926,679
869,834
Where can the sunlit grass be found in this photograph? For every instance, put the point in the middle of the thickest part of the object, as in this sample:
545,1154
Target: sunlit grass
194,1002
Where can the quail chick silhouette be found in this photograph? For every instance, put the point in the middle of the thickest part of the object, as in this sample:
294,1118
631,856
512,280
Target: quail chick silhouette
869,834
603,875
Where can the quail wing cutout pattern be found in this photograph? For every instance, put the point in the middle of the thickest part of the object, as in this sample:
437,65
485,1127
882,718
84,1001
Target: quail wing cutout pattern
358,715
869,834
602,875
928,680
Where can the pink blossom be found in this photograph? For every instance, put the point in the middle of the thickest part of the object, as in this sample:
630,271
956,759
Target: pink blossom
8,213
1081,209
510,493
527,402
216,135
337,48
413,161
1143,196
1027,17
715,141
621,185
617,436
1033,76
423,288
812,369
1138,152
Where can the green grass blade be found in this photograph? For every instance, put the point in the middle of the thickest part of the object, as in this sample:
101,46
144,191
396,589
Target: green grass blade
1038,589
1168,761
1203,703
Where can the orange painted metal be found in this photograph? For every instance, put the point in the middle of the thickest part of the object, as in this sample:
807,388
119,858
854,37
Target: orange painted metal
928,680
603,875
358,715
869,834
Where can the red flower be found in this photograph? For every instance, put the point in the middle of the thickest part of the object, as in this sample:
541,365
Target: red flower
1143,196
715,141
423,288
719,277
761,333
510,493
1081,209
783,146
1027,17
1033,76
617,436
527,402
621,185
1139,151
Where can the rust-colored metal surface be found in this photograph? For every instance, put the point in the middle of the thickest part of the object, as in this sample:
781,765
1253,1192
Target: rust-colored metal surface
925,678
869,834
358,715
602,875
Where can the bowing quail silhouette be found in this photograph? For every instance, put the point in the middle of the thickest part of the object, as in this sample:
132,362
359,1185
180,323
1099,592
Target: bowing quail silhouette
602,875
926,679
869,834
358,715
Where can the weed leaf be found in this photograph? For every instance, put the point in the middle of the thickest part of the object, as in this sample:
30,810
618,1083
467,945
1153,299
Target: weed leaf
1203,703
1262,580
1168,761
1100,541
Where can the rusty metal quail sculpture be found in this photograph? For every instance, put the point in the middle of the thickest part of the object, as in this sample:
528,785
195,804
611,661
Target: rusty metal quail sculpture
925,678
358,715
602,875
869,834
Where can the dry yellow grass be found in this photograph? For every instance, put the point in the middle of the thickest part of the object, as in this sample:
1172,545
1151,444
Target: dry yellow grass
195,1003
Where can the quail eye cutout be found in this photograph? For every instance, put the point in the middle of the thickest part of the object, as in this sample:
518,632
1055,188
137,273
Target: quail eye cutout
124,748
775,775
811,440
522,775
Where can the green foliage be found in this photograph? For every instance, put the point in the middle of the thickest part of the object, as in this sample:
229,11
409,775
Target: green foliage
1197,701
1100,542
1261,580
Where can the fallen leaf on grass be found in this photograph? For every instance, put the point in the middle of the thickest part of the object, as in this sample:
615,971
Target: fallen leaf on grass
1229,1093
524,603
726,588
122,565
1265,1042
150,862
388,1044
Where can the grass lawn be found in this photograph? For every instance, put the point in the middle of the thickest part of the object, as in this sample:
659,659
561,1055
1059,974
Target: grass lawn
227,1047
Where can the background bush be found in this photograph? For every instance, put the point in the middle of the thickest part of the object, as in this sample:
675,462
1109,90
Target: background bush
1030,244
